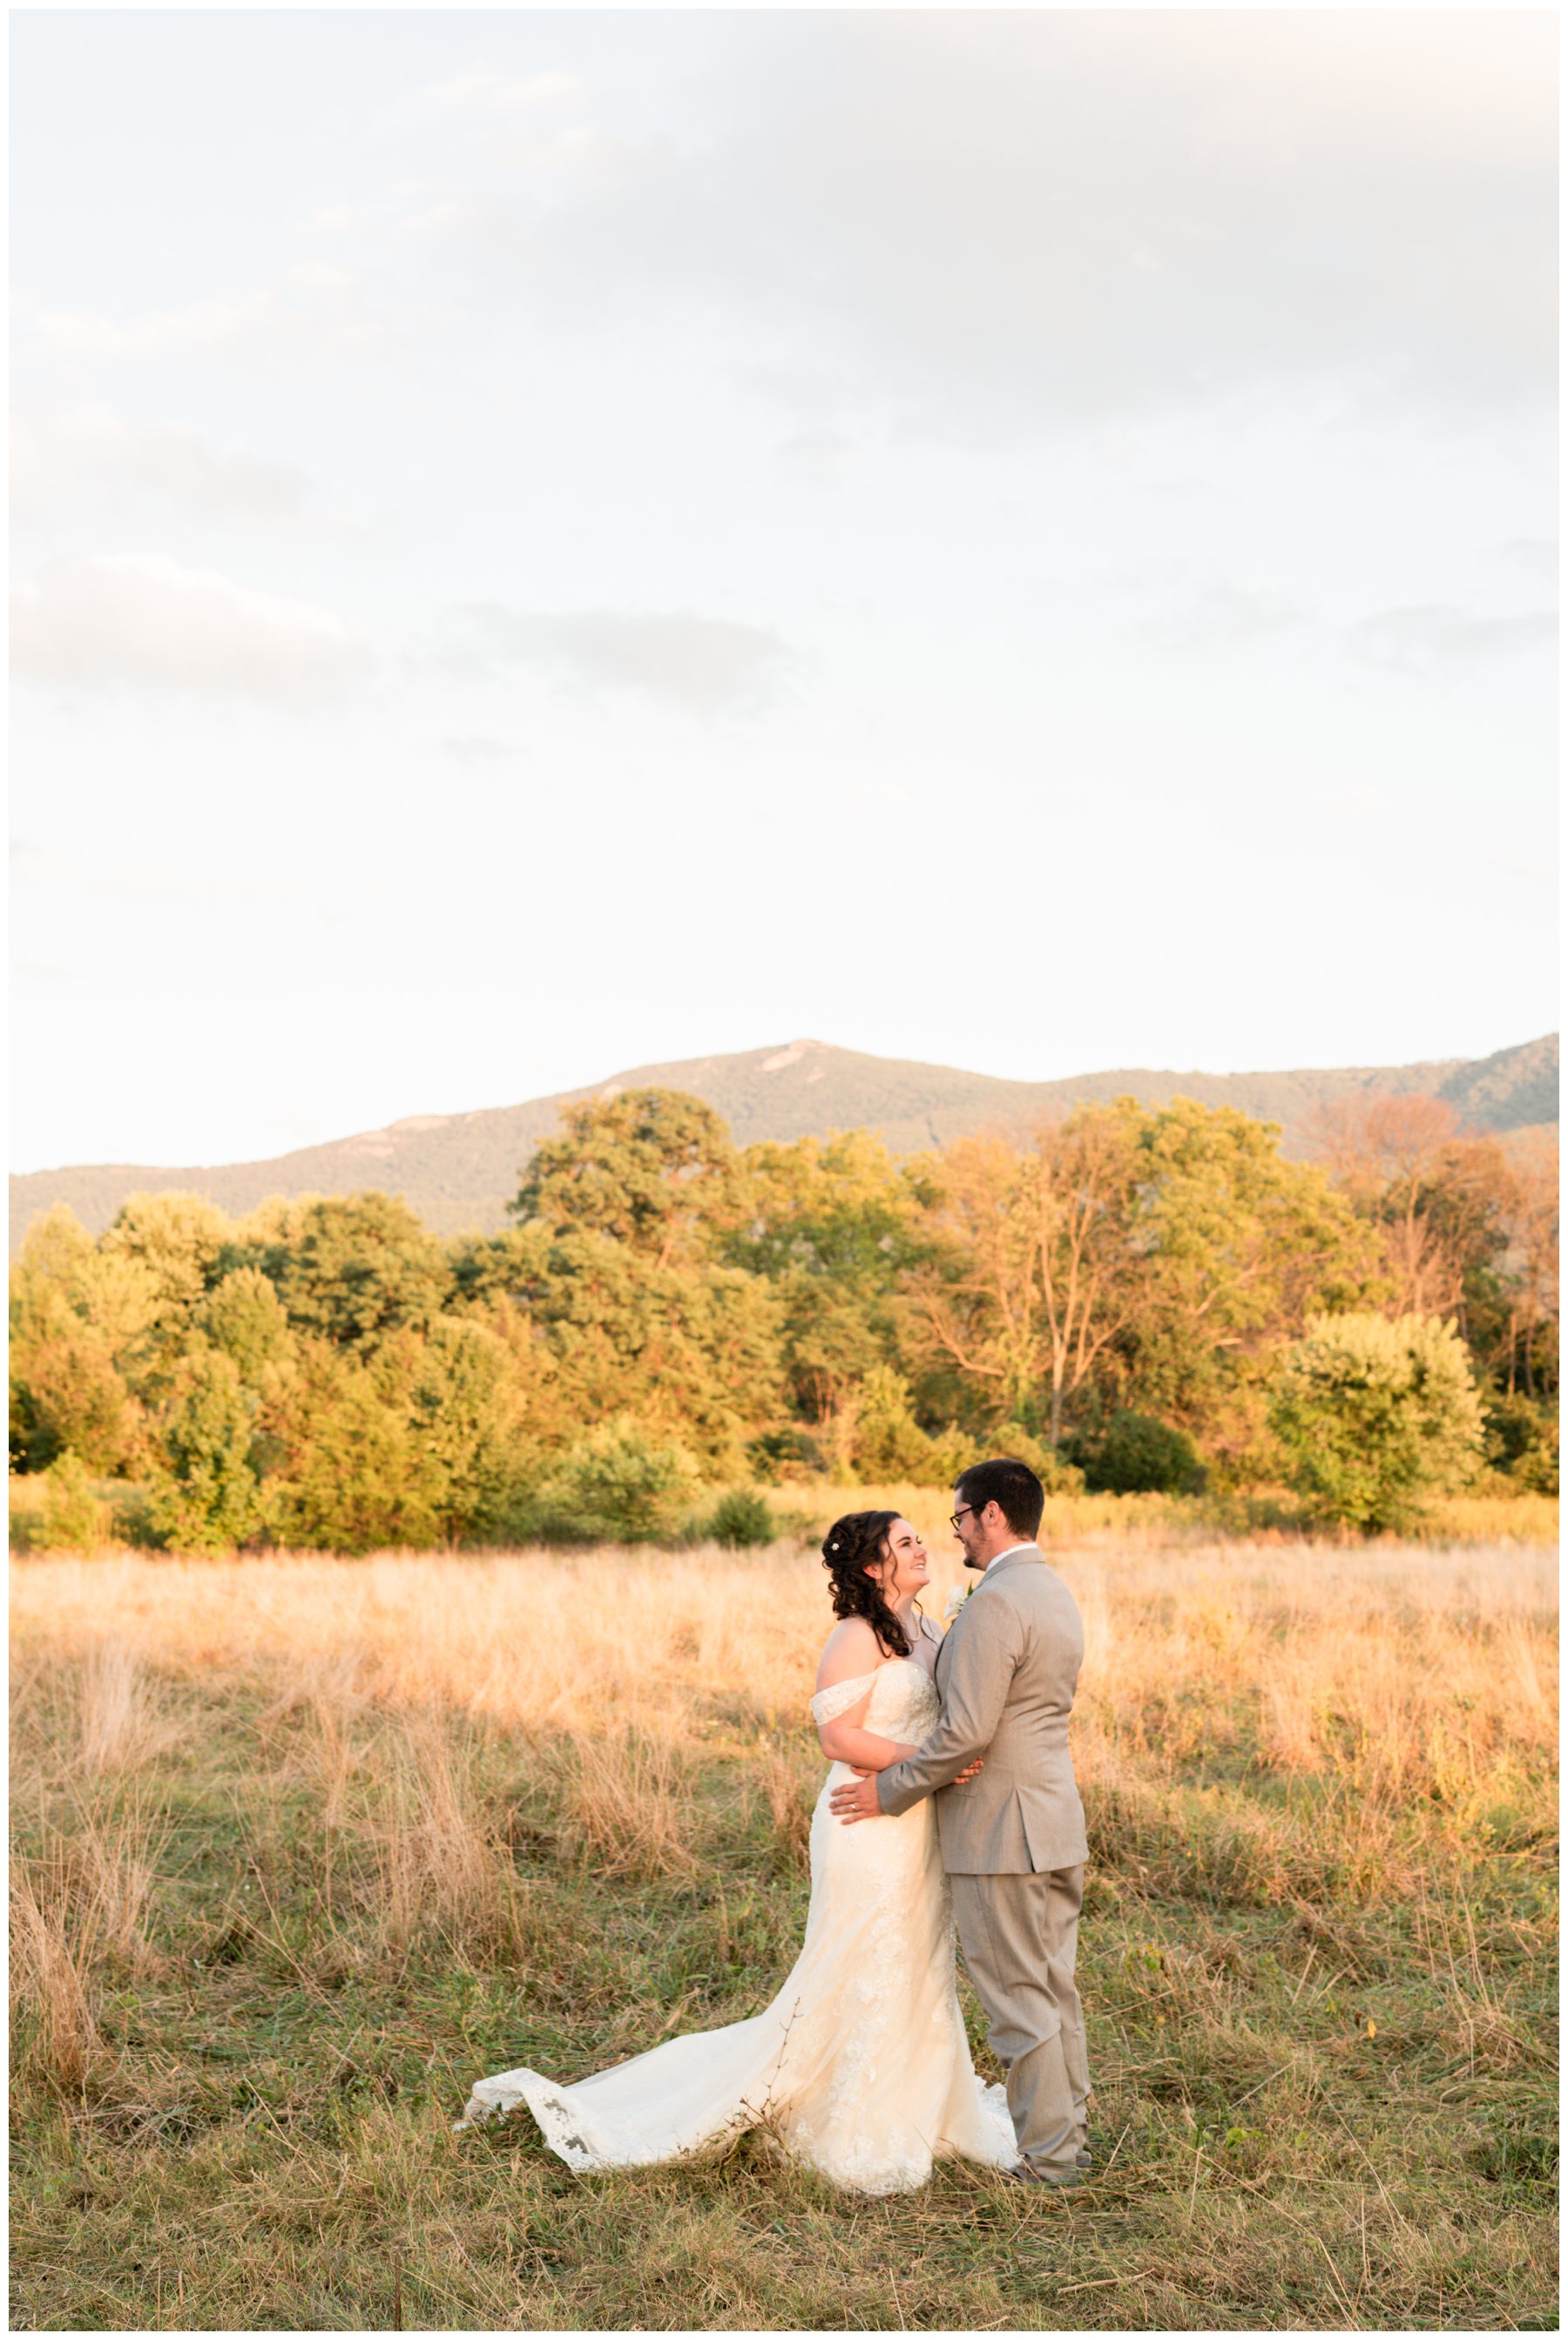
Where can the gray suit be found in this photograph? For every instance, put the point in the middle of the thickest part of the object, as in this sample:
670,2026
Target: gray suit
1013,1838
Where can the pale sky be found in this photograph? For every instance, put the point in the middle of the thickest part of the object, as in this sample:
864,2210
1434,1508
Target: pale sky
551,541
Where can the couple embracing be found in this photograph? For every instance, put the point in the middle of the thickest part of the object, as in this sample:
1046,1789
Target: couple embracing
951,1796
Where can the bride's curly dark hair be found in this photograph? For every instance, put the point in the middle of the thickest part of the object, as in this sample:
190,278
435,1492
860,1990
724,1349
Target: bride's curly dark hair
849,1543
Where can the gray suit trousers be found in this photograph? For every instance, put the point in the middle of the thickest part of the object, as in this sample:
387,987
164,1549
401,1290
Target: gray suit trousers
1020,1935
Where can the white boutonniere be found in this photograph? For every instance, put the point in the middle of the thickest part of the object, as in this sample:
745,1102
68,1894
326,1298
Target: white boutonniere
955,1599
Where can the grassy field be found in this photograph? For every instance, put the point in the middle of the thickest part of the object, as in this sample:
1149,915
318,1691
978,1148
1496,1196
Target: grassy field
305,1845
1497,1516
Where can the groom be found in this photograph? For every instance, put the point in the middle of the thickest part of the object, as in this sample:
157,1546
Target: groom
1013,1839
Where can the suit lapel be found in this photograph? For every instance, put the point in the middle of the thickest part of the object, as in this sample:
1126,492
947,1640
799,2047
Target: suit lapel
1023,1555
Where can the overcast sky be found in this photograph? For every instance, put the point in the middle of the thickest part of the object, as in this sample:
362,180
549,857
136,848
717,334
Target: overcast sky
548,542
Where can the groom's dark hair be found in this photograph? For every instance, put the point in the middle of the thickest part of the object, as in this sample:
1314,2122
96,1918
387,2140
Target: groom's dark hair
1012,1486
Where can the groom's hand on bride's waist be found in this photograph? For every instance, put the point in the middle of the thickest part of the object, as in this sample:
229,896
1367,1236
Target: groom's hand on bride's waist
857,1802
862,1802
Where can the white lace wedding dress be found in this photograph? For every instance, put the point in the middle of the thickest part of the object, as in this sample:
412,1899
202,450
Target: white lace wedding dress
861,2065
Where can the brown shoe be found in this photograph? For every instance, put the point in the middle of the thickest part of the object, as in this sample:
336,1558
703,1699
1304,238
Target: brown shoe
1035,2172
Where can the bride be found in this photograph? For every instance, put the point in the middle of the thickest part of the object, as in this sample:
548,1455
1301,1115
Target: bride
861,2065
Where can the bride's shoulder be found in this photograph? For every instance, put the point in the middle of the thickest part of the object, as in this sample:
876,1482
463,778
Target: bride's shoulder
852,1650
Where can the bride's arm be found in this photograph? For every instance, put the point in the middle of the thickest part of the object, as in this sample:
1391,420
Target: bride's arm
843,1741
852,1656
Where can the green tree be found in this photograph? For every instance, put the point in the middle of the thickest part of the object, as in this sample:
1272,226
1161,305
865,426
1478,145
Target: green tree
621,1484
693,1350
356,1267
742,1518
832,1225
1135,1454
347,1473
1032,1275
1134,1259
617,1262
1436,1197
1050,1465
82,1327
180,1240
889,1442
466,1414
1523,1440
72,1517
1234,1248
1524,1346
1375,1417
204,1491
489,1275
243,1316
653,1169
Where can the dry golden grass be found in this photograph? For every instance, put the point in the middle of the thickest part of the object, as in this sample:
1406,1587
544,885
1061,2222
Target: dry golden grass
1150,1521
303,1845
78,1910
1391,1671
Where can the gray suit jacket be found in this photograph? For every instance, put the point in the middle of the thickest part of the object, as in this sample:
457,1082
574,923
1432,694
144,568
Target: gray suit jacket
1007,1671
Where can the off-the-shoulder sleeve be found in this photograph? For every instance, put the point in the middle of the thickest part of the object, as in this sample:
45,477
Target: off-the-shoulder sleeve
839,1698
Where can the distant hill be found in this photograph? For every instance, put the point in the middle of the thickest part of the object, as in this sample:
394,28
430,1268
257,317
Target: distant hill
460,1170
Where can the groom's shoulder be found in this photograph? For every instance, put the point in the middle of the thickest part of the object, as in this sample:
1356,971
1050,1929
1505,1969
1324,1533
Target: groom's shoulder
1019,1574
1033,1584
1012,1591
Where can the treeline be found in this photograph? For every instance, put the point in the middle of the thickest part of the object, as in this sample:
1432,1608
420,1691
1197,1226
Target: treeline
1139,1299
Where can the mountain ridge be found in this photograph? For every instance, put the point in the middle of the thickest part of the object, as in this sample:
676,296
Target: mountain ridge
460,1170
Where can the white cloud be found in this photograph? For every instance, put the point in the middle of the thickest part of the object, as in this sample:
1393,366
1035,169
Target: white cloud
1433,640
61,455
704,666
977,227
1189,610
817,458
315,308
214,890
141,619
485,91
477,748
998,222
1535,557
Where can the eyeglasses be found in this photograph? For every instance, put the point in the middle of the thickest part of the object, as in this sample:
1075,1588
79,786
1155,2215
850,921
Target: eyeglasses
955,1517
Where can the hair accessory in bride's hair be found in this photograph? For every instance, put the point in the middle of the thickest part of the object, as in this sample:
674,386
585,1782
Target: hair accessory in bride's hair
852,1548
